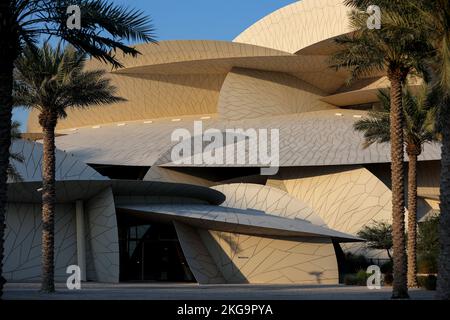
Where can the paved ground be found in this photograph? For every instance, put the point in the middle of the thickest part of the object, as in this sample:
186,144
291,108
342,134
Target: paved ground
152,291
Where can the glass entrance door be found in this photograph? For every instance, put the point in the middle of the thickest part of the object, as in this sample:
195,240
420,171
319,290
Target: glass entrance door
152,252
161,261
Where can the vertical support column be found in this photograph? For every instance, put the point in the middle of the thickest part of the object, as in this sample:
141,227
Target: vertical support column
81,239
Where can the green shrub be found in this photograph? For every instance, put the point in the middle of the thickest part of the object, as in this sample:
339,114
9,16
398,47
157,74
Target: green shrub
358,279
427,263
350,280
428,245
362,276
427,282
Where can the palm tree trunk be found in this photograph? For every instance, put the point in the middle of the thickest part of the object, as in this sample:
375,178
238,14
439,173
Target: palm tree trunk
9,49
48,123
412,218
399,286
6,79
443,281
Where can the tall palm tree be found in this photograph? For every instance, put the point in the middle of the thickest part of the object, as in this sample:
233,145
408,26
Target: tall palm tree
53,80
395,48
435,16
418,129
105,28
13,174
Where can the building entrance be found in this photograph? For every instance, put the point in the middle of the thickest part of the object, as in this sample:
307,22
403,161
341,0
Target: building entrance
150,251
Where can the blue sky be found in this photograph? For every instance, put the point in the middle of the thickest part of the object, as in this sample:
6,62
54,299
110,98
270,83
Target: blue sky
204,19
198,19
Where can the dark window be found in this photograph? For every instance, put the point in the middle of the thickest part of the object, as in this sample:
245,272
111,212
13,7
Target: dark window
121,172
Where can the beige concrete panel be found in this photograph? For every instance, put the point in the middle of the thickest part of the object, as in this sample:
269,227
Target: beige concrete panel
428,179
144,200
268,199
66,191
177,51
432,207
318,138
428,176
434,204
284,62
137,143
158,192
353,98
306,139
365,91
252,94
22,261
254,179
67,166
323,48
360,92
102,245
167,175
278,184
313,69
148,97
250,259
153,94
346,198
227,219
326,79
298,25
156,189
197,256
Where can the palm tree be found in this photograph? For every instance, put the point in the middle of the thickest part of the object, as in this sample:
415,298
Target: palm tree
435,16
13,174
395,48
53,80
104,29
418,129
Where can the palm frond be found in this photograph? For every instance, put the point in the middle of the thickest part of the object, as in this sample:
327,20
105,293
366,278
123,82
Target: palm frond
376,128
62,81
105,27
442,66
89,88
419,124
399,45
